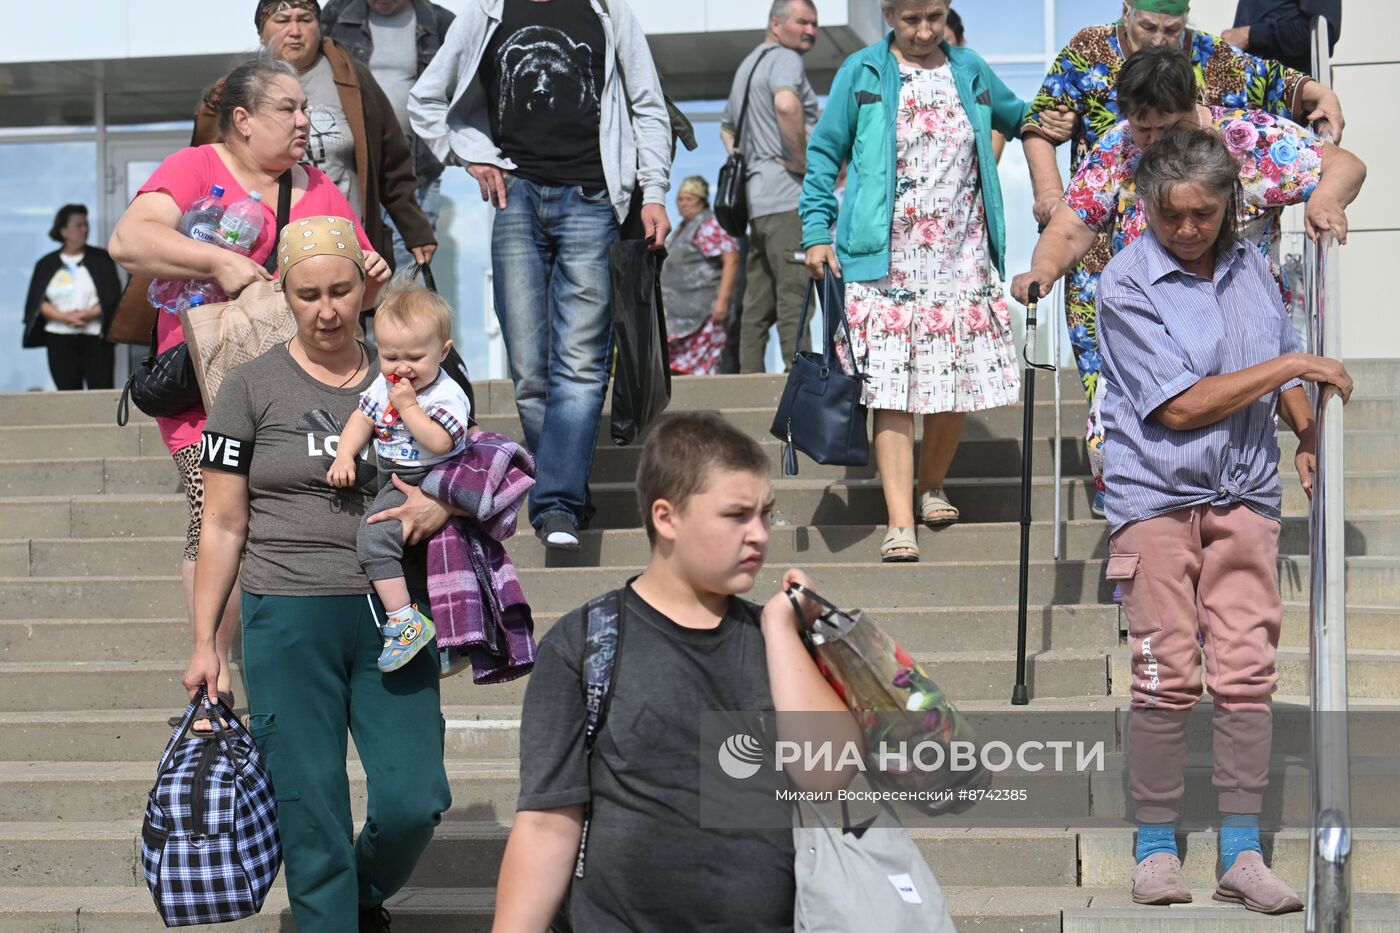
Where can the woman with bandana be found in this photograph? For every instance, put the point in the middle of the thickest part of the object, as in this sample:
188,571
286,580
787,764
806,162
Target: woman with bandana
311,639
262,122
1084,78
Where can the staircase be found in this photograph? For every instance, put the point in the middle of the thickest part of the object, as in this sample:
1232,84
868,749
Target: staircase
93,641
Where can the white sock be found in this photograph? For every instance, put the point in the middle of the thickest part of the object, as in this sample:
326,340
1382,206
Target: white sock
399,616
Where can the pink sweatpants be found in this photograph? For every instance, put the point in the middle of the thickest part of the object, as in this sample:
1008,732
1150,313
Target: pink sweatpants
1211,572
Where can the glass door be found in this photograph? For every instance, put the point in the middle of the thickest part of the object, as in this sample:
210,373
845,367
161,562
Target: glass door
130,161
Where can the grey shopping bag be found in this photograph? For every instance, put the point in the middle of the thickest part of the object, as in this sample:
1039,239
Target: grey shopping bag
866,877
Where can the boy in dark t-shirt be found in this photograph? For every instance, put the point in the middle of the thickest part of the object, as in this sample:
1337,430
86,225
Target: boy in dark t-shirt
689,645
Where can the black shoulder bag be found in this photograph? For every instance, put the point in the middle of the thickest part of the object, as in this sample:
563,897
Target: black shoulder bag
731,201
163,385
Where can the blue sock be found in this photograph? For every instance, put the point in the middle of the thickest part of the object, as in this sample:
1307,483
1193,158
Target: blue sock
1155,837
1238,833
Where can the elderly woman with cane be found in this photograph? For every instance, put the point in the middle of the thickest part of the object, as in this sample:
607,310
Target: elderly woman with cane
1200,357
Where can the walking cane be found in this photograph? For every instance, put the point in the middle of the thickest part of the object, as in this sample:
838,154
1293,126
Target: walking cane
1019,695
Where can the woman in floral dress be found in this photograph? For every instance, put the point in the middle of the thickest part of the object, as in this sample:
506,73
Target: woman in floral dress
697,283
920,242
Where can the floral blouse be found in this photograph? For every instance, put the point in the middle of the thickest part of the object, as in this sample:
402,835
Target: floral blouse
1084,78
1280,164
712,241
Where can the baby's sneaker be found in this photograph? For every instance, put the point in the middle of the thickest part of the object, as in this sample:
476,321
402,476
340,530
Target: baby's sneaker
404,636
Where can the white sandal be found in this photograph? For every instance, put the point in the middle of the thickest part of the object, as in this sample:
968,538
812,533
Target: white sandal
935,510
901,546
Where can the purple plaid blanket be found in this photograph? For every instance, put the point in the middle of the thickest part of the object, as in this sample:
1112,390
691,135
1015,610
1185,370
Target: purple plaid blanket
478,603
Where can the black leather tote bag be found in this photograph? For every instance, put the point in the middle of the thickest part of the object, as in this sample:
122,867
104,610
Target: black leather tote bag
822,412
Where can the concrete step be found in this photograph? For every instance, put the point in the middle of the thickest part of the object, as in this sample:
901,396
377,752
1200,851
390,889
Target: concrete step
561,589
1375,377
1371,675
1287,800
1114,912
1370,571
81,441
480,731
155,474
1369,628
1369,534
950,628
1106,858
19,409
482,790
982,583
1362,414
105,516
469,854
105,735
467,910
150,475
486,789
82,685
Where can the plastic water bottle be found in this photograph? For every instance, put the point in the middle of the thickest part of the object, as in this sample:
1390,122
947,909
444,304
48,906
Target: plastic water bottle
208,293
200,222
241,224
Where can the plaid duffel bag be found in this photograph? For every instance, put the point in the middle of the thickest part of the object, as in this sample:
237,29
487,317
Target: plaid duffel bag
209,844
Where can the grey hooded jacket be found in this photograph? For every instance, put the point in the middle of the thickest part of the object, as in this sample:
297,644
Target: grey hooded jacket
447,107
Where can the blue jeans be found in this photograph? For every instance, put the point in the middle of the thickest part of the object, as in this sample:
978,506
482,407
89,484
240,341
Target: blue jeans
430,200
549,255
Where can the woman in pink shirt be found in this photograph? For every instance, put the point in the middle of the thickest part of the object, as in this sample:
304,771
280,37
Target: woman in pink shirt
262,118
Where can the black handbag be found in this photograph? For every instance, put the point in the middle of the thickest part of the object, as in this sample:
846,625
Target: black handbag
165,384
822,411
731,201
642,383
162,385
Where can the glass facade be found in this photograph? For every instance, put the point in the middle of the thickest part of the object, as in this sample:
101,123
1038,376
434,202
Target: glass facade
38,178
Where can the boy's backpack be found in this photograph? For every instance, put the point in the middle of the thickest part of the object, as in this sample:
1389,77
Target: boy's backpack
209,843
603,619
600,648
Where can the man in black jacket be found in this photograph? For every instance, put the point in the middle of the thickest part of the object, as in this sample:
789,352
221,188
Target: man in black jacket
1282,29
396,39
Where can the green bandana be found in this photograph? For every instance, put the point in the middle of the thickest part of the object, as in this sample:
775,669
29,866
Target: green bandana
1167,7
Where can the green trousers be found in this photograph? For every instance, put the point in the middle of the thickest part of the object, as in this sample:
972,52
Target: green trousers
309,666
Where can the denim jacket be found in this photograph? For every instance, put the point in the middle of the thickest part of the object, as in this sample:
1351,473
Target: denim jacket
859,125
347,22
447,106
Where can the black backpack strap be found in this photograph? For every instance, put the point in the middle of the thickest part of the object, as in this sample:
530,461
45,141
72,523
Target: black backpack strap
603,640
748,86
284,214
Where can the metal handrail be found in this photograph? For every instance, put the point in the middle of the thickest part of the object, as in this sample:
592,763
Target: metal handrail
1329,865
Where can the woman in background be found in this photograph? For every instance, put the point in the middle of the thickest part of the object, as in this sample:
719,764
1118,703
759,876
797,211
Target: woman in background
73,295
921,252
697,282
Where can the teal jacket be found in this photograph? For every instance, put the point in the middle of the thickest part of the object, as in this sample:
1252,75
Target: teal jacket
859,126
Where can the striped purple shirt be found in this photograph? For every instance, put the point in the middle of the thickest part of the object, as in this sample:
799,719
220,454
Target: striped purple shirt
1162,329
